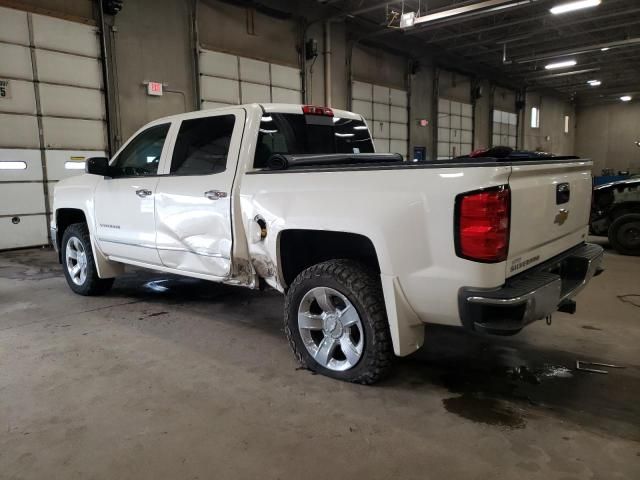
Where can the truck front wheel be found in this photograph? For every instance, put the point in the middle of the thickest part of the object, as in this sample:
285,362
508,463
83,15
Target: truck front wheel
78,263
336,322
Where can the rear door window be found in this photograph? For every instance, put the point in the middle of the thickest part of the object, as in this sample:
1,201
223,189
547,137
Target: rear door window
202,145
298,134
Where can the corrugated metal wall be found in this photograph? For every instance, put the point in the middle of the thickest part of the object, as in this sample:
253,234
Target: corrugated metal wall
51,120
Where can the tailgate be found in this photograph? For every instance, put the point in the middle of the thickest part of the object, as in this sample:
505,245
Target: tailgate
550,205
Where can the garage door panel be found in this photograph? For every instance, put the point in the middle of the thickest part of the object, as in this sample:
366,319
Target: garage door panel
20,165
19,131
68,163
382,145
381,111
15,62
219,90
398,146
380,129
285,77
254,71
466,123
205,105
285,95
216,64
380,94
63,101
22,99
466,110
466,136
54,67
30,231
399,114
398,131
65,133
362,91
21,198
398,97
72,37
255,93
444,106
13,26
364,108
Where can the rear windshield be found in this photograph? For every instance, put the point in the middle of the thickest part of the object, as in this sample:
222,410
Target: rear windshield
298,134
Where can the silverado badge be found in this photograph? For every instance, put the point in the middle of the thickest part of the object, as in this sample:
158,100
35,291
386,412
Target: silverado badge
562,216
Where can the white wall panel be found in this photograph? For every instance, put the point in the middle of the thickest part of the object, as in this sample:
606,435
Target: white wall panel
216,64
33,170
22,99
219,90
21,198
60,162
67,69
20,131
13,26
15,62
254,93
62,101
285,77
30,231
66,133
285,95
254,71
65,36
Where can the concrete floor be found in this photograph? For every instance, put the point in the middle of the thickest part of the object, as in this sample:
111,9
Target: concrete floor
168,378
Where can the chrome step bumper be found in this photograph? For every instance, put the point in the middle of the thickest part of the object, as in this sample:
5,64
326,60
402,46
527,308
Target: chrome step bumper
532,295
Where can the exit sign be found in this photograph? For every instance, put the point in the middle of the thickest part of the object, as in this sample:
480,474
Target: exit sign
154,88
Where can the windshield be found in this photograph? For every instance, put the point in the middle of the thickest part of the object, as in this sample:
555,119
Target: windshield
297,134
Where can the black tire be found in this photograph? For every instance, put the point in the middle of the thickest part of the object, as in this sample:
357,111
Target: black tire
92,284
624,234
362,288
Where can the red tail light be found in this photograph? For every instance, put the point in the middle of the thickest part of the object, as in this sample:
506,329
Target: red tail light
314,110
482,224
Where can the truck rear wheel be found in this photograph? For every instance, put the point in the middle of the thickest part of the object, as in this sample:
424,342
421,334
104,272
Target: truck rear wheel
78,262
336,322
624,234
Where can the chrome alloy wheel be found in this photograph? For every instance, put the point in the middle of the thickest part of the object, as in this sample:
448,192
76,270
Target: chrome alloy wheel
331,329
76,260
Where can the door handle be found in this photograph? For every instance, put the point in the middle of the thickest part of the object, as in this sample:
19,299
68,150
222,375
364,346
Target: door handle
215,194
143,192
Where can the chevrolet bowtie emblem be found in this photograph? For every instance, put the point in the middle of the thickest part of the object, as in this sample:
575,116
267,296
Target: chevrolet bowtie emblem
562,216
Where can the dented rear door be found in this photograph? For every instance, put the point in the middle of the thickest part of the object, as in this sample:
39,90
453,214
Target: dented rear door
193,201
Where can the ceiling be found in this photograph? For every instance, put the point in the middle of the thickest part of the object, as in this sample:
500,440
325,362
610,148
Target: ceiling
515,43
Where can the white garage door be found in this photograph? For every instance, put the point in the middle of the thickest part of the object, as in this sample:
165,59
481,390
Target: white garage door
231,80
455,128
52,116
386,112
505,129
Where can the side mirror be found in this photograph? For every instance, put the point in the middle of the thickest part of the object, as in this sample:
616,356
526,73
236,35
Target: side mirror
97,166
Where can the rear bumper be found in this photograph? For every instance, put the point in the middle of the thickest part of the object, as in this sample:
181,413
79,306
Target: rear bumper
532,295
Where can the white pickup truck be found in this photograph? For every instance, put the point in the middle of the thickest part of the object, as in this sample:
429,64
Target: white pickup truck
366,247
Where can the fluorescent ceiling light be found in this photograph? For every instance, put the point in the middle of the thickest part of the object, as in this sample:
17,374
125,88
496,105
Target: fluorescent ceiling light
360,127
13,165
344,135
564,64
604,49
571,6
266,118
75,165
594,83
626,98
